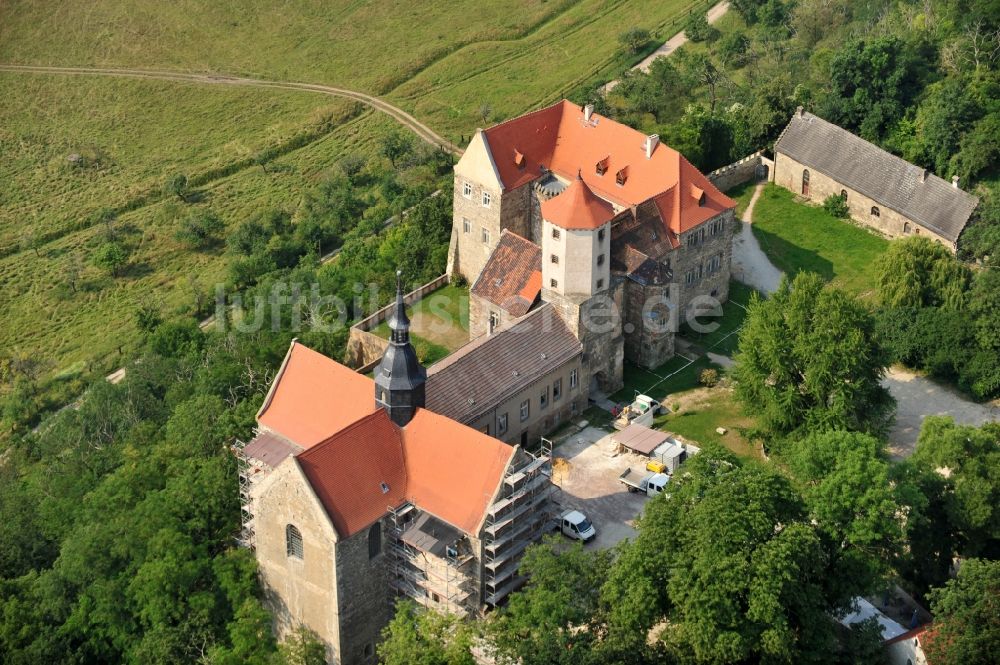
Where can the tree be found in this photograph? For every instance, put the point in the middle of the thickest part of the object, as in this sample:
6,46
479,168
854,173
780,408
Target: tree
984,306
971,458
110,256
847,489
201,229
302,647
396,145
812,19
485,111
542,624
918,272
177,185
966,630
634,40
698,29
33,241
836,205
728,562
425,637
809,359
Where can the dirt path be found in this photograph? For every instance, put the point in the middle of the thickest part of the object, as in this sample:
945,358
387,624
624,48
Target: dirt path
424,132
750,264
918,397
714,13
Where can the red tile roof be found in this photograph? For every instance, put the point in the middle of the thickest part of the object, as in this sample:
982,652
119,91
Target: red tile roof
347,471
557,138
577,208
453,471
512,277
313,397
443,467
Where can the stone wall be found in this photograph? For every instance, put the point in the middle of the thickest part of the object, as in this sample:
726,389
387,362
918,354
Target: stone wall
364,593
364,348
597,323
471,219
788,174
297,591
744,170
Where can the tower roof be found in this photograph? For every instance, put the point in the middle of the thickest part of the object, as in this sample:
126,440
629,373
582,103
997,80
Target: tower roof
577,207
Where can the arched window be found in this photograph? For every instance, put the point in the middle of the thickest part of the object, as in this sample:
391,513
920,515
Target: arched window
843,195
375,540
805,182
874,211
293,541
906,227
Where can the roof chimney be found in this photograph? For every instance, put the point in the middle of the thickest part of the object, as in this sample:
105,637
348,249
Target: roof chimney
954,181
650,144
588,111
923,175
799,111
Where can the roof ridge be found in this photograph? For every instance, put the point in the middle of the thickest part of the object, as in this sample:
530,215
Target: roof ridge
474,344
528,114
363,420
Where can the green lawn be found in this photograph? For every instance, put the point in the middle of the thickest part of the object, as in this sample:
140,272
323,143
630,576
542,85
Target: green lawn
801,237
724,339
742,194
676,375
439,322
700,421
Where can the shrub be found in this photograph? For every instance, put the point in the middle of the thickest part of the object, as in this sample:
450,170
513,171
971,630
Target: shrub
698,29
110,257
709,377
836,205
201,229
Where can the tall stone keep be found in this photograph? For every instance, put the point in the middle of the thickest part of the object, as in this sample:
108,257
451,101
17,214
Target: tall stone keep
400,378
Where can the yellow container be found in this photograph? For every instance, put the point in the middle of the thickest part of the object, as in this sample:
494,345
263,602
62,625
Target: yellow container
655,466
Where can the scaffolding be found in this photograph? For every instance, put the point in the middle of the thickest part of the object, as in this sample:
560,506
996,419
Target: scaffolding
249,471
441,580
521,514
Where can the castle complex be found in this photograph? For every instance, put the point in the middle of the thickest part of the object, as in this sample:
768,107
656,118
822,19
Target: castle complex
584,243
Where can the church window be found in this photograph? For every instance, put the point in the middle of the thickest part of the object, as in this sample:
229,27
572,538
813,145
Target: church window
502,424
293,541
486,237
556,390
486,199
375,540
369,650
600,284
906,227
875,211
574,378
525,410
466,225
467,190
917,231
805,182
843,195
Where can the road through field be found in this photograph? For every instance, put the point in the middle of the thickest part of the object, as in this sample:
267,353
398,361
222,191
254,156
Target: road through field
424,132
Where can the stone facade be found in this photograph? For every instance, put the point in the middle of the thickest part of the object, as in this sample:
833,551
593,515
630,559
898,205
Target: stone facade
596,321
364,595
650,324
299,591
702,263
480,311
564,393
789,174
755,167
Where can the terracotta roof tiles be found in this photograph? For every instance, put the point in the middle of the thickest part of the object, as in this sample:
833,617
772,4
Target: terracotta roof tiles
512,277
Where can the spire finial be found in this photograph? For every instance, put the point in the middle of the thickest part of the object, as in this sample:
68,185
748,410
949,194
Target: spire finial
399,282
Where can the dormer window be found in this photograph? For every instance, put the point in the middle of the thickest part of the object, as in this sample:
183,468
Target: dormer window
621,176
518,159
698,194
602,166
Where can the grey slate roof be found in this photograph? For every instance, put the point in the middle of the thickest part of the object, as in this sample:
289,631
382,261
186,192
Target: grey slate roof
879,175
270,448
491,368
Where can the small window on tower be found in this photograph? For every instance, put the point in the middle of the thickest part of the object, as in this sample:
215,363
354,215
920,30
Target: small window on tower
555,234
600,235
600,284
554,283
555,259
600,259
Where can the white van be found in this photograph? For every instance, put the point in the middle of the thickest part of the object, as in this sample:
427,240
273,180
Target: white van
576,525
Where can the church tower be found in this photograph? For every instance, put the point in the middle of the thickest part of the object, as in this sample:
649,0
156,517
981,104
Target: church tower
400,378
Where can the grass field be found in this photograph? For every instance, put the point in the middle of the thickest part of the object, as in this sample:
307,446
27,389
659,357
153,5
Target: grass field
724,339
699,419
187,129
800,237
441,61
439,323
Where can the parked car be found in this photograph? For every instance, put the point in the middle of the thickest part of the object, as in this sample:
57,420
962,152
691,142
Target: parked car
650,484
575,524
